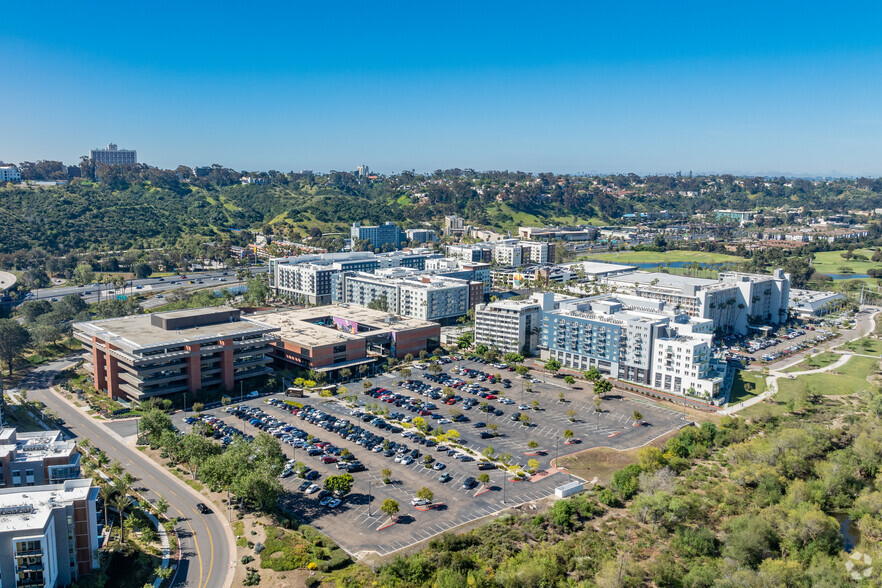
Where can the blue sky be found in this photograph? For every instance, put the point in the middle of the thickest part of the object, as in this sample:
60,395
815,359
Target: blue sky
567,87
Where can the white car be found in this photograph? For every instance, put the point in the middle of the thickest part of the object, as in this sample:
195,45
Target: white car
444,422
407,460
313,488
378,449
524,407
399,458
418,501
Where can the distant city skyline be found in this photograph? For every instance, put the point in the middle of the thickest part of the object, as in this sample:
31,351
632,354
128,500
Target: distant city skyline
752,89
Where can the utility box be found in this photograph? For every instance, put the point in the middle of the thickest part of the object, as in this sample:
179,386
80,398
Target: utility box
569,489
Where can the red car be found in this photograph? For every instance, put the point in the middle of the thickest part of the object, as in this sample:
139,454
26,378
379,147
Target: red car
491,397
329,459
424,413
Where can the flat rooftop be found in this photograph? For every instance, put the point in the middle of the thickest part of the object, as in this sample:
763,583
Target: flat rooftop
34,446
28,508
299,326
137,332
662,279
593,268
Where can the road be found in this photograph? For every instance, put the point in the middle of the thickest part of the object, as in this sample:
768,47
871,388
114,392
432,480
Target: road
205,540
146,286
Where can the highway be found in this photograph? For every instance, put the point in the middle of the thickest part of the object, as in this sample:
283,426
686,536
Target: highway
206,541
147,286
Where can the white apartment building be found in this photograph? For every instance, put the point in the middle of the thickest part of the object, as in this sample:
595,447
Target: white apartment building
512,326
48,534
509,254
682,365
113,155
9,173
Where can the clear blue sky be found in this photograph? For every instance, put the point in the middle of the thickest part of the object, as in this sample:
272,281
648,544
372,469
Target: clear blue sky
743,87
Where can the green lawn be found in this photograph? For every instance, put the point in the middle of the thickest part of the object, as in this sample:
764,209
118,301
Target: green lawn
850,378
832,262
813,363
506,218
865,346
665,256
746,385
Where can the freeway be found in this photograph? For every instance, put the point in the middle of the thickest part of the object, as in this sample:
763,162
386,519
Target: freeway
206,541
147,286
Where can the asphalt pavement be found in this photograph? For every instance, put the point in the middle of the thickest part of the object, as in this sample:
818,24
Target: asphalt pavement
205,540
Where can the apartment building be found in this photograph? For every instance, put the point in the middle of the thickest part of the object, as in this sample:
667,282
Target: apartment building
36,459
481,252
514,326
141,356
682,365
421,235
48,534
379,235
113,155
9,173
735,302
412,294
449,267
581,233
454,226
332,338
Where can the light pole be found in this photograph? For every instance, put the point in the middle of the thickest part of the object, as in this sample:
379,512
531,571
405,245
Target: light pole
370,497
185,402
504,476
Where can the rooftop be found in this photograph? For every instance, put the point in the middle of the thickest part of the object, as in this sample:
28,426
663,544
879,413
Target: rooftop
598,267
34,446
28,508
300,326
138,332
662,279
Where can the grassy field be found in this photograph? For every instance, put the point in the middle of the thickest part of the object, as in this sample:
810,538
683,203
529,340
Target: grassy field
832,262
851,378
746,385
497,210
664,257
813,363
602,462
865,346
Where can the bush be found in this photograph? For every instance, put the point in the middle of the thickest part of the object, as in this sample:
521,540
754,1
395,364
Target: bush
258,548
339,559
247,559
608,497
311,582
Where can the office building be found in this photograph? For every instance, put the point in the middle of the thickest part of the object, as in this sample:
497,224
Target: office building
48,534
454,226
736,302
147,355
584,233
808,304
332,338
514,326
421,235
362,171
480,252
112,155
9,173
737,216
379,236
36,459
412,294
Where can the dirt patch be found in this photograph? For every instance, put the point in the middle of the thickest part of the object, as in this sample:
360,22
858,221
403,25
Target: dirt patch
602,462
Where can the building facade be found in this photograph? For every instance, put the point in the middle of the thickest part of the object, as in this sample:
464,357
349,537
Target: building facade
9,173
113,155
379,235
142,356
48,534
36,459
421,235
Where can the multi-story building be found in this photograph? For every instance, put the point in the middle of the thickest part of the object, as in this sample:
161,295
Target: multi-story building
454,226
423,296
509,254
48,534
735,301
480,252
36,459
738,216
310,279
583,233
379,235
112,155
514,326
421,235
9,173
162,353
449,267
362,171
682,365
332,338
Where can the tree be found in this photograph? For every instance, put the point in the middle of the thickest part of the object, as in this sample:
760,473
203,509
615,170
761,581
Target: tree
562,514
522,370
452,435
484,478
750,539
198,407
346,373
379,303
592,375
435,368
122,502
571,415
195,450
408,358
14,338
553,366
602,387
45,334
488,451
340,485
534,405
493,427
569,380
142,270
532,444
561,397
106,492
425,494
386,475
419,423
568,434
161,505
636,416
83,274
390,507
533,465
524,419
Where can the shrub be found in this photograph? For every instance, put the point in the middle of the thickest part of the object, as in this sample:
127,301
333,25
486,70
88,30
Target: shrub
311,582
247,559
608,497
259,547
339,559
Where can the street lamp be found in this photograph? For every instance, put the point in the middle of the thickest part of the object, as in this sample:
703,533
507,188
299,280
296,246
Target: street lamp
370,497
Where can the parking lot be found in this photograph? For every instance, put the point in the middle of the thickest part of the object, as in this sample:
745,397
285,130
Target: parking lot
353,524
776,348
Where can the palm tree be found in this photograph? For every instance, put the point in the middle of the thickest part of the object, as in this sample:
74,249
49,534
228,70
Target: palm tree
121,503
106,492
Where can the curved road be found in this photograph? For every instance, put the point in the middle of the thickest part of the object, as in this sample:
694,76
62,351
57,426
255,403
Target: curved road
205,540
